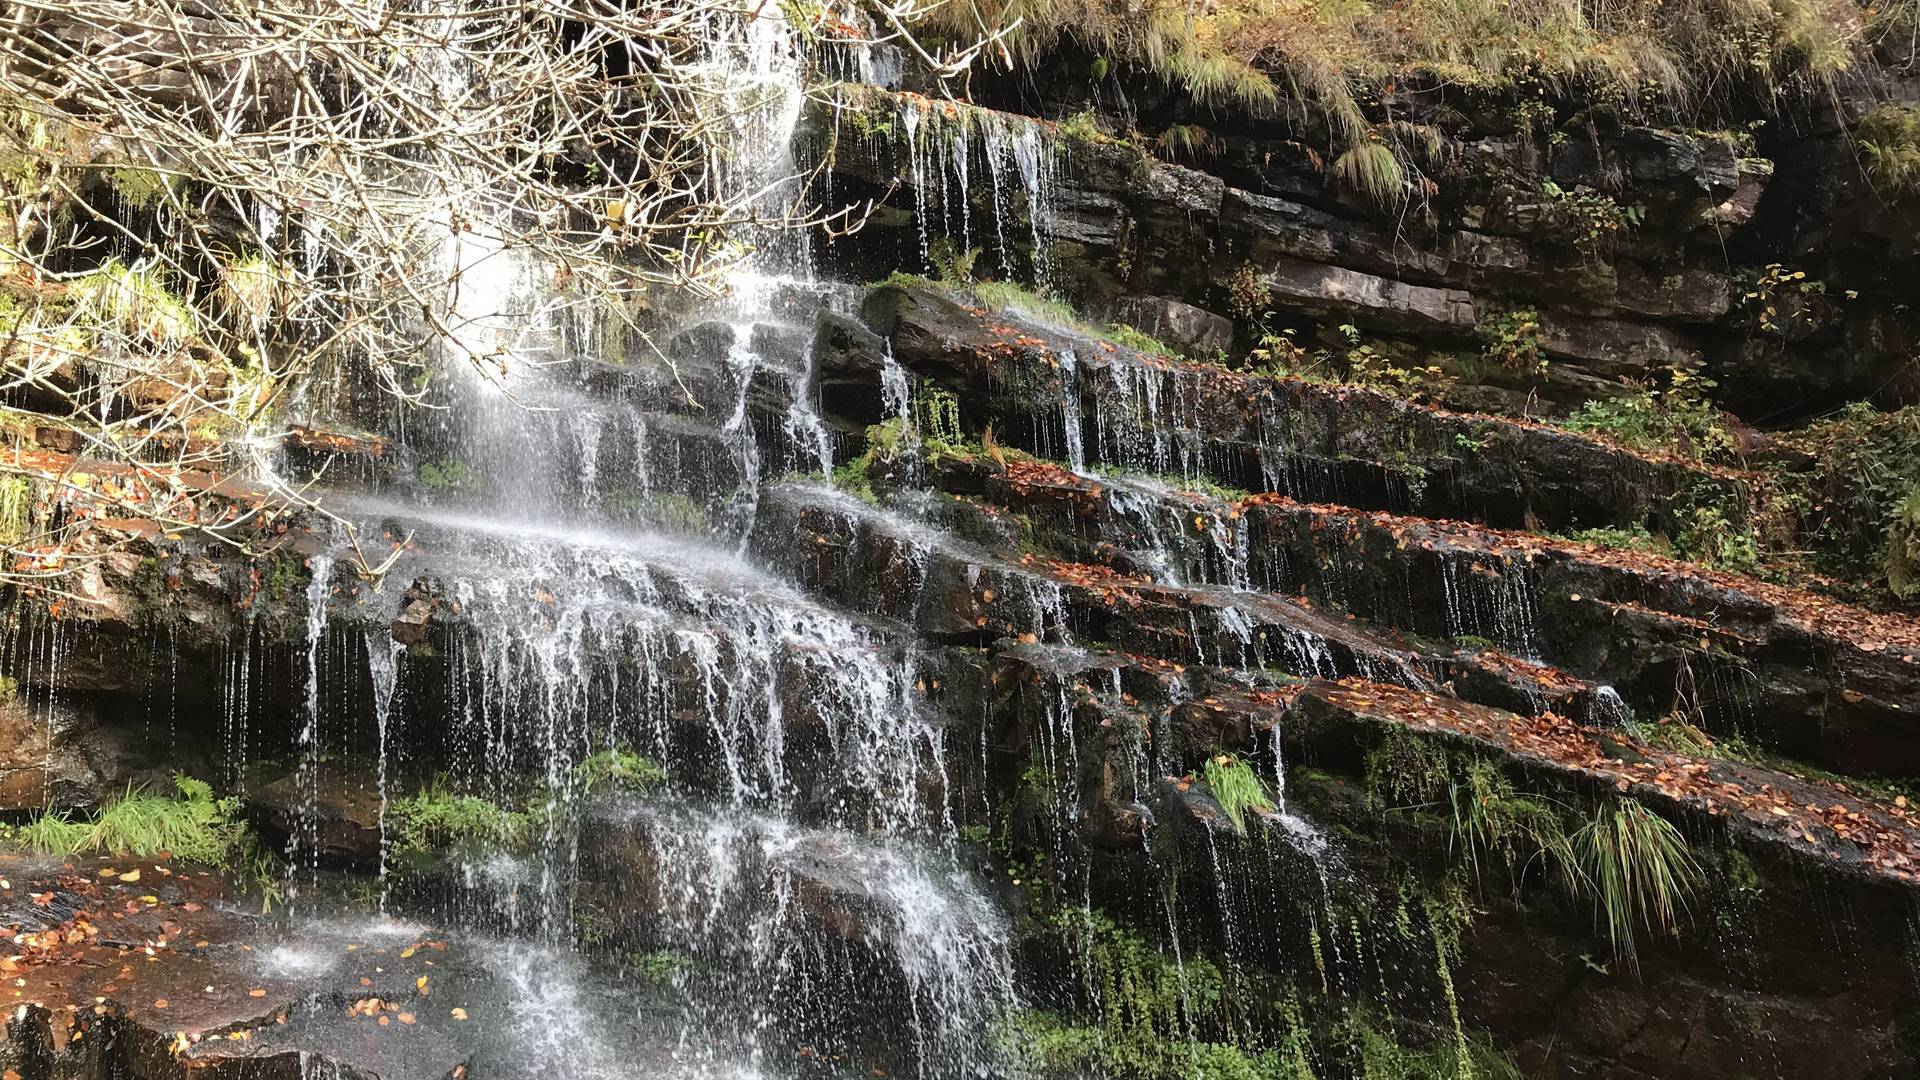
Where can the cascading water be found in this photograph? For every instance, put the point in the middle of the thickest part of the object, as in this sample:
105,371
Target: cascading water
795,743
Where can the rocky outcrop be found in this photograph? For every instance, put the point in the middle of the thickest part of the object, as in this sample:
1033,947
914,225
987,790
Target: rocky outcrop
1779,850
1053,392
1629,242
1803,674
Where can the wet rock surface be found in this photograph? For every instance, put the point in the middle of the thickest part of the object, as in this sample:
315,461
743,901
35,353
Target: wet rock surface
920,608
140,970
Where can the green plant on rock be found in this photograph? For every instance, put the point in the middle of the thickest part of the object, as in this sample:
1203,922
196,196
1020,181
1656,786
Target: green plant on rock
1372,170
448,474
1866,465
1147,1002
135,303
1248,295
1769,289
951,266
140,188
936,416
1903,548
1237,788
1593,216
1633,538
1639,870
193,825
658,966
54,833
1404,771
1139,340
1369,366
1511,339
1678,417
1632,864
620,770
1190,142
190,824
1491,817
16,507
436,819
1888,141
1084,127
1012,297
1277,354
1706,534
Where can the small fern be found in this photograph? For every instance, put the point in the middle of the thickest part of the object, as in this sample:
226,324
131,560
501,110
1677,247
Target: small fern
1236,789
194,826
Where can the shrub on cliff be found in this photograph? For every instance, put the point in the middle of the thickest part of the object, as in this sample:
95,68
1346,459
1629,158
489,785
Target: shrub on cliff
1903,549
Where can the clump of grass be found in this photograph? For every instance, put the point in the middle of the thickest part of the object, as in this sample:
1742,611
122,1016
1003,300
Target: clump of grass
1661,58
193,825
1140,340
1236,788
1191,142
436,819
53,833
1373,171
621,770
1489,815
137,303
1639,870
1888,137
16,504
1010,296
190,824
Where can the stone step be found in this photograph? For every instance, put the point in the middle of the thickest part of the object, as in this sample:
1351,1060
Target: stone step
1062,394
1800,673
892,566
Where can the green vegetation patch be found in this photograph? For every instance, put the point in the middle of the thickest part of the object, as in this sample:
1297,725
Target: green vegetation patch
436,819
1237,789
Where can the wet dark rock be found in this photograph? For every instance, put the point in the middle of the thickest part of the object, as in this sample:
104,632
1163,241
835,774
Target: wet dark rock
1192,330
335,807
55,755
1311,440
1698,1003
1328,290
410,626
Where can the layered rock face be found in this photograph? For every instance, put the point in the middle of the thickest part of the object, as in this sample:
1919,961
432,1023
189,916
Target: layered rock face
1691,262
910,677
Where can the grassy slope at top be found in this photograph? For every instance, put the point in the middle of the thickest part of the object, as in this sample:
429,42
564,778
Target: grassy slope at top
1632,54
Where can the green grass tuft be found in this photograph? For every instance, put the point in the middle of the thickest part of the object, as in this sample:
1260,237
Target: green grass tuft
1236,788
1373,171
620,770
436,819
1903,548
1640,871
54,833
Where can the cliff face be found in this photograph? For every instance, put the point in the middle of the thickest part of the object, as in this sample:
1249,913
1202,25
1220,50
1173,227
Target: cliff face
1638,248
1217,601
